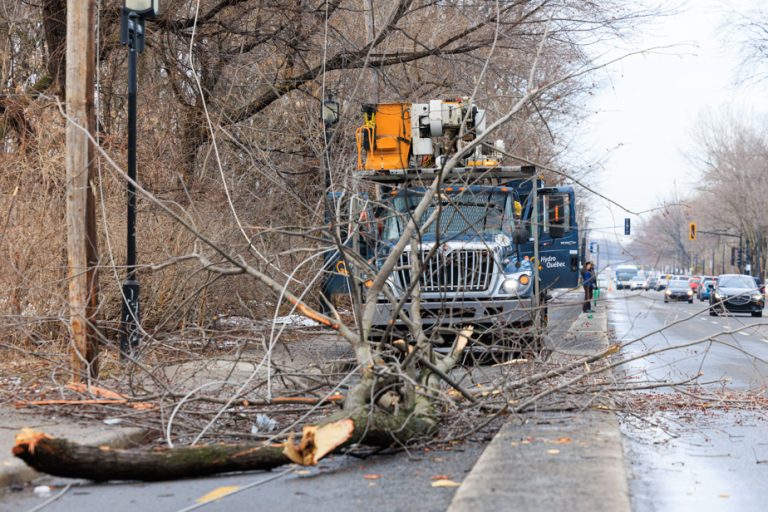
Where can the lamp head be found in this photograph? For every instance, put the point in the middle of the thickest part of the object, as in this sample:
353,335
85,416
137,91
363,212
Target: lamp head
330,111
143,8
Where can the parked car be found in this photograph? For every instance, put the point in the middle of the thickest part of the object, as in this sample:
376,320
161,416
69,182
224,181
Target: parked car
735,293
703,292
678,289
694,282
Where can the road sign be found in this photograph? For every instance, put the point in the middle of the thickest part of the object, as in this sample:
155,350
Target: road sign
593,247
692,231
626,226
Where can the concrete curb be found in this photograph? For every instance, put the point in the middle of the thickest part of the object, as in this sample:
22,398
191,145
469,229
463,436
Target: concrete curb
552,461
14,471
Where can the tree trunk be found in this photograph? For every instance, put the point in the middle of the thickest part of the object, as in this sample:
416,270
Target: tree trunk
64,458
99,463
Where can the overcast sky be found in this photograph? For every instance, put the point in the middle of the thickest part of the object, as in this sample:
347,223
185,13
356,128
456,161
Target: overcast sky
643,117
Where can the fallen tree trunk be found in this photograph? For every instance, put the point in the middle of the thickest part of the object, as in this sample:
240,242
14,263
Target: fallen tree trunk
64,458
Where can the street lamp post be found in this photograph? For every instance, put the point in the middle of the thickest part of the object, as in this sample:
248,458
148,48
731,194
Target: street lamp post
330,116
132,18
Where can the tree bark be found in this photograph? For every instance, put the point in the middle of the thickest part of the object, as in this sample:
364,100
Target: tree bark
99,463
82,254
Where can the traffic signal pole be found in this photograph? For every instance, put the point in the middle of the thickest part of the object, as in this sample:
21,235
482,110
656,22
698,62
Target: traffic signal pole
740,263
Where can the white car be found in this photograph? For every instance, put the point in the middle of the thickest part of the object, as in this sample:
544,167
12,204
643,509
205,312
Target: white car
637,283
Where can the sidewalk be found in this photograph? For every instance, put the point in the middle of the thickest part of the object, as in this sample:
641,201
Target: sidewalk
553,461
15,471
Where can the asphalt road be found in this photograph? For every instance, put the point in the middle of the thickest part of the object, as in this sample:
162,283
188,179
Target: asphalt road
684,459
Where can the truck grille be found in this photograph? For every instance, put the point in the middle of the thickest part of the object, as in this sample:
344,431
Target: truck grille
450,271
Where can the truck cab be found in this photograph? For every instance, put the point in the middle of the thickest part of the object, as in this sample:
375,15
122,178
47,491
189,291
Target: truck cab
471,268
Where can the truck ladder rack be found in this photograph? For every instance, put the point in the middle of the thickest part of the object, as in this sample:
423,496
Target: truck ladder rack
458,174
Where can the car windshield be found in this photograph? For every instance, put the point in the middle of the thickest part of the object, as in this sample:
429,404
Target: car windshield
736,282
626,275
466,213
678,284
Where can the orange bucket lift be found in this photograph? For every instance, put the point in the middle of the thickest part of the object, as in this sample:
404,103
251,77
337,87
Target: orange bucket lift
385,137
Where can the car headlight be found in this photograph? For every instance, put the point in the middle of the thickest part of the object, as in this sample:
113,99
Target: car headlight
516,283
757,297
669,292
690,292
718,296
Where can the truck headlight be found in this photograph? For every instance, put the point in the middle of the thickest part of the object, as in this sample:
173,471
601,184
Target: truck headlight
516,283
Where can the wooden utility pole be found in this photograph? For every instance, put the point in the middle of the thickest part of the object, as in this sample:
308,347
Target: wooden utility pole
82,253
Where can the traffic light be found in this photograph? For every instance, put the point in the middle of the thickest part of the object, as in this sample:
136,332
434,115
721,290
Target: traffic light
626,226
692,231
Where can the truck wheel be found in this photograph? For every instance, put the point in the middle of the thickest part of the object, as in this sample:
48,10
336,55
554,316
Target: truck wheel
757,313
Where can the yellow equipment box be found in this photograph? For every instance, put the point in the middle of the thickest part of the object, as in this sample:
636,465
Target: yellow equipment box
385,138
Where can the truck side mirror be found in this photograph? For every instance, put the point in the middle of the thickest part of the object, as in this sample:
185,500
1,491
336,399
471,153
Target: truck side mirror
520,235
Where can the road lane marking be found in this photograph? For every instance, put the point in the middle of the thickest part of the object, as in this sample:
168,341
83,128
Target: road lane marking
714,322
744,334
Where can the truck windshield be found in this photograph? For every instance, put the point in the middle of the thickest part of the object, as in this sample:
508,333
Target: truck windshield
461,214
625,275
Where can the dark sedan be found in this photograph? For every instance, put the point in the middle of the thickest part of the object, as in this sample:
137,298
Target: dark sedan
678,289
735,293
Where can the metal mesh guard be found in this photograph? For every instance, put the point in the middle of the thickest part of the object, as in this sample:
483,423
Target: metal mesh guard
463,270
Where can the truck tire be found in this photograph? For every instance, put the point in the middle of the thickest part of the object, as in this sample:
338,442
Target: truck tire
757,313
